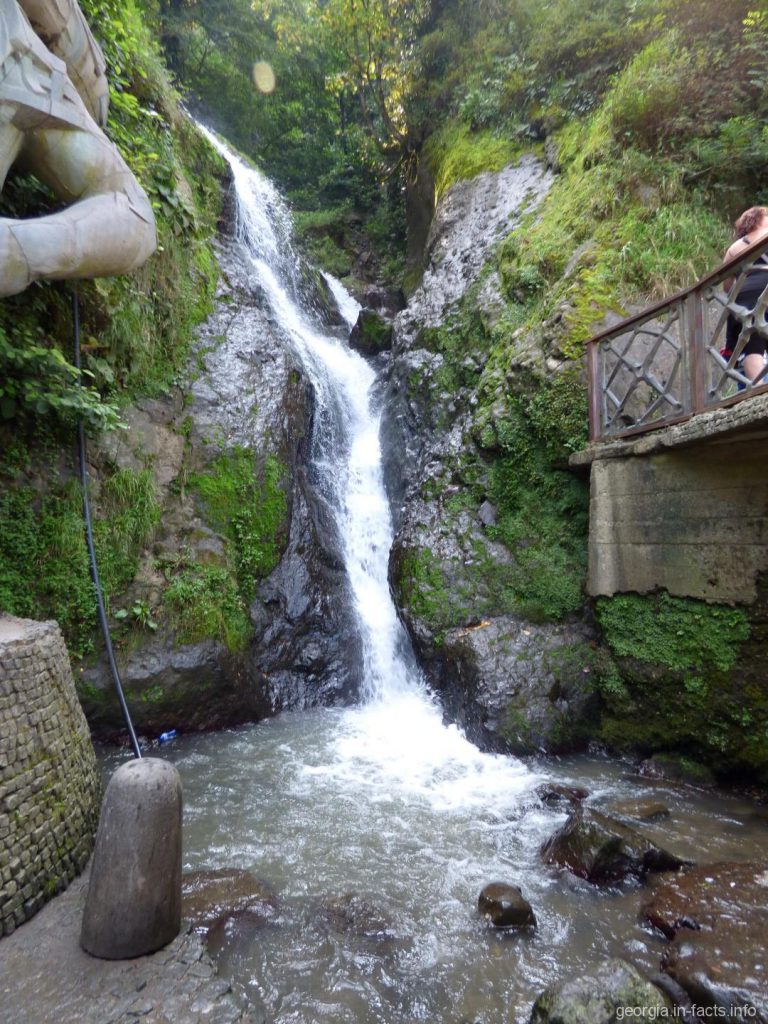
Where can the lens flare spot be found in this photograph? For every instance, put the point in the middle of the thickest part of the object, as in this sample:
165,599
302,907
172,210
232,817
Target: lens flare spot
263,76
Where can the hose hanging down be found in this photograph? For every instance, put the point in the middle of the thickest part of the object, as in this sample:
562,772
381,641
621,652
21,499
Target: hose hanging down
81,450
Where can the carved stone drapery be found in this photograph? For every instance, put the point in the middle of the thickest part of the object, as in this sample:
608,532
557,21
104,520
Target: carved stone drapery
51,98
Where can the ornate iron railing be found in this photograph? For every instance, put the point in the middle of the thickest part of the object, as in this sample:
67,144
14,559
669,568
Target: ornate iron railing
669,362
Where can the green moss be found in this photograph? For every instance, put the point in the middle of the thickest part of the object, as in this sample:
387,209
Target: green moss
373,333
542,510
455,152
678,682
245,500
420,588
678,633
205,603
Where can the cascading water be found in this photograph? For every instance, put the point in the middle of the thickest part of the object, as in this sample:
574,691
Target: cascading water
347,460
382,800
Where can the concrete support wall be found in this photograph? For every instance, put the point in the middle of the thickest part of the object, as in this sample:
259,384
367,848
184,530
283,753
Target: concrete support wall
692,520
49,784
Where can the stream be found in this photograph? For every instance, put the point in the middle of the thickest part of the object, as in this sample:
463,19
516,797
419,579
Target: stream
385,800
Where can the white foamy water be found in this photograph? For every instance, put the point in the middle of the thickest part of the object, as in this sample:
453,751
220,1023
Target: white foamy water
348,305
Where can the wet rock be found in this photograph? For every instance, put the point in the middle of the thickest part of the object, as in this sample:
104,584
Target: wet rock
603,851
553,794
717,919
640,810
234,934
356,915
317,295
597,998
503,680
468,222
371,334
505,906
384,300
210,896
673,768
307,647
170,685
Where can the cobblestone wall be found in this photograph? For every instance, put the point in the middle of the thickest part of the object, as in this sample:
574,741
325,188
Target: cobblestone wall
49,783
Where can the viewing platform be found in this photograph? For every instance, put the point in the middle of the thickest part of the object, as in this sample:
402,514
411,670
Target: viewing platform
678,451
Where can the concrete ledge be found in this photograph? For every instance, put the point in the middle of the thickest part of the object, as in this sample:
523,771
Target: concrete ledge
691,521
748,420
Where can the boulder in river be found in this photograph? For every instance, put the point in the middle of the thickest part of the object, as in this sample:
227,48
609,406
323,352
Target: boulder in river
597,997
640,810
673,768
213,895
505,906
717,918
602,850
555,794
353,914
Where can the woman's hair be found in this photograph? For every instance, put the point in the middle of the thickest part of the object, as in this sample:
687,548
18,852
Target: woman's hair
749,220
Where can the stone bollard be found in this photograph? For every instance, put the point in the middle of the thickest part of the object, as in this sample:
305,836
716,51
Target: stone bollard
134,898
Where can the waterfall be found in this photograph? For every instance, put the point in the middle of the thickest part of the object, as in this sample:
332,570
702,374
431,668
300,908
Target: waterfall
346,450
396,736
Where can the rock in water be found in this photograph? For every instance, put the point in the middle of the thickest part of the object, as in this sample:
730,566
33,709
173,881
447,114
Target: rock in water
352,914
217,894
641,810
596,998
554,794
717,919
134,897
505,906
596,847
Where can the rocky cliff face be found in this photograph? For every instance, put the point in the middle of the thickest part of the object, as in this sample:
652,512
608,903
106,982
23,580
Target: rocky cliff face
509,681
244,391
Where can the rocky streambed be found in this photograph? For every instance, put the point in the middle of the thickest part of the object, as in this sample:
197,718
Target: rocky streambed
594,894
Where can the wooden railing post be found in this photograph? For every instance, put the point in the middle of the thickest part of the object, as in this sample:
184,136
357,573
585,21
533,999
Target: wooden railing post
595,392
694,330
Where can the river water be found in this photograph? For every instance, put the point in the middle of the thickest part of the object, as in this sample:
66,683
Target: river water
384,800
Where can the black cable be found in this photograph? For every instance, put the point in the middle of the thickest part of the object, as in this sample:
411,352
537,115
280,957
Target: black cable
89,540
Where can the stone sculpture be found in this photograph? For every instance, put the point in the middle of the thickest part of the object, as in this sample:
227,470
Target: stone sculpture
53,100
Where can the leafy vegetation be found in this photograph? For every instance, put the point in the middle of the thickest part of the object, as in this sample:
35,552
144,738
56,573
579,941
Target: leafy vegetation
675,632
205,603
676,685
247,503
44,568
136,328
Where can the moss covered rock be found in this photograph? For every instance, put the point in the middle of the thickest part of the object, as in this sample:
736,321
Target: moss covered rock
597,997
371,334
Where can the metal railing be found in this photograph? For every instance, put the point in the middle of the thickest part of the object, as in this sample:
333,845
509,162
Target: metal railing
668,362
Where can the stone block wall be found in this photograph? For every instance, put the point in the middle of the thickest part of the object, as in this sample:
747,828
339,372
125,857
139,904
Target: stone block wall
49,783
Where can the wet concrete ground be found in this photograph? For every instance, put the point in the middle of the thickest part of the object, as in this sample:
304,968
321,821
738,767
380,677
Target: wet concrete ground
45,977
